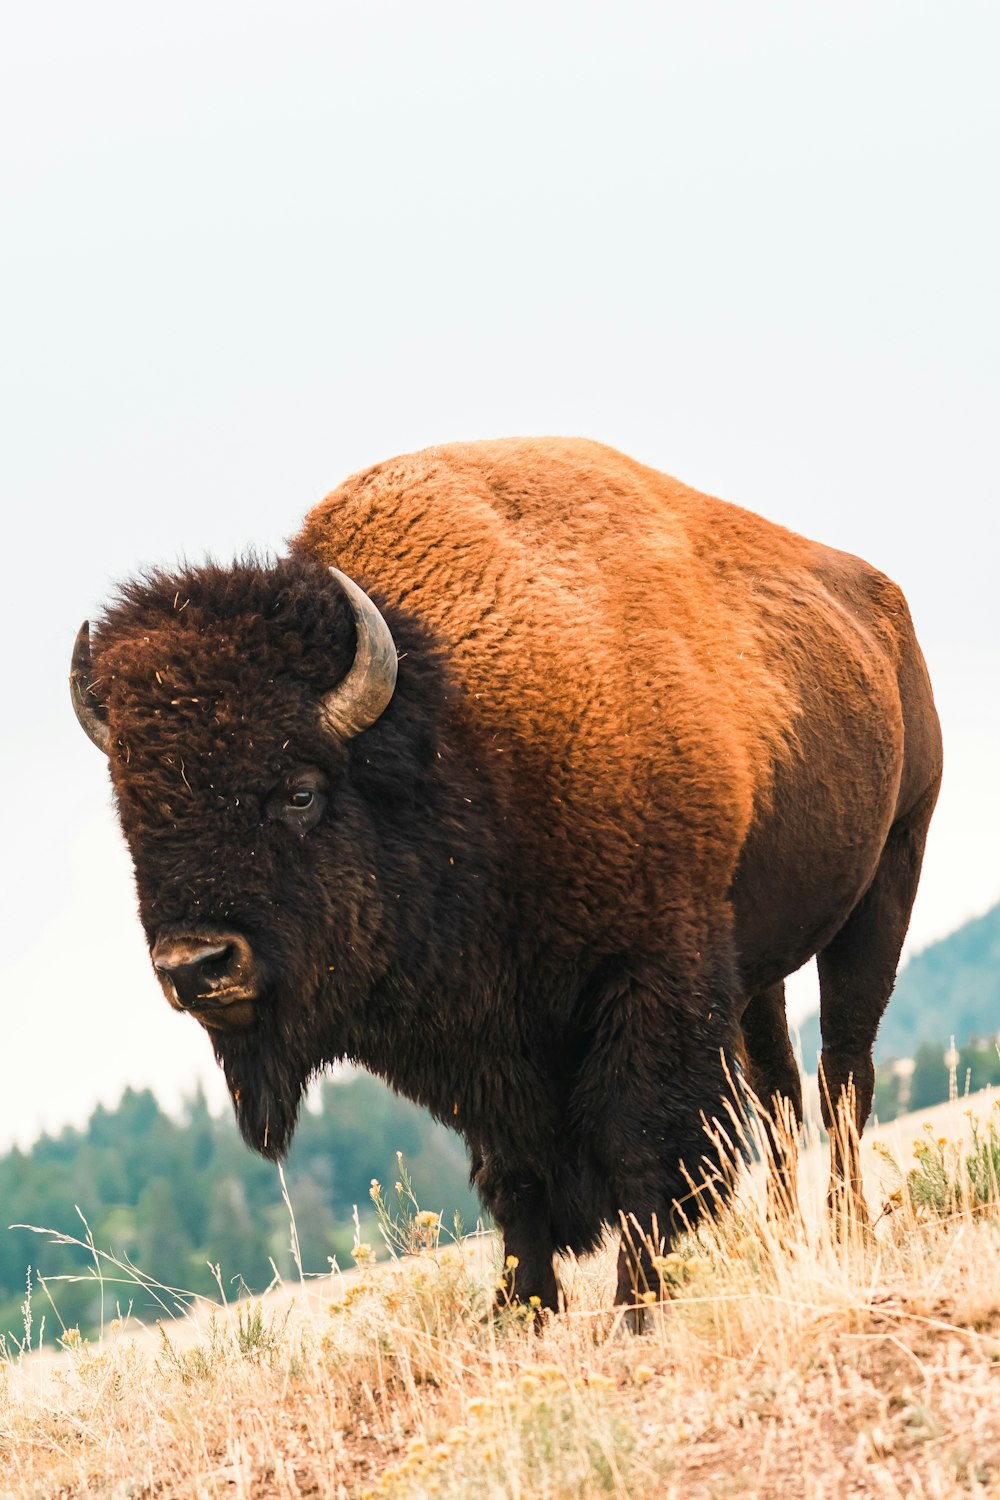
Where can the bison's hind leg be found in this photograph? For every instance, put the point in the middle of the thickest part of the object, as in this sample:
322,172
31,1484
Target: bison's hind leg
773,1076
857,971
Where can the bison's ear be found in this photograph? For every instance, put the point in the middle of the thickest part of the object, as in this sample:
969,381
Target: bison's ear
361,696
81,688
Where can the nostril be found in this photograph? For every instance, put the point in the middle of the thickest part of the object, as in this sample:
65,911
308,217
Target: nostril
174,958
215,961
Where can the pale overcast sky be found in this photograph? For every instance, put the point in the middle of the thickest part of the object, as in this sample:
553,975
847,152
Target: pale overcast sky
247,249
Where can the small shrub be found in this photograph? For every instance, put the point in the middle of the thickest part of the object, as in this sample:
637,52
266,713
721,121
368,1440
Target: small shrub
407,1229
951,1177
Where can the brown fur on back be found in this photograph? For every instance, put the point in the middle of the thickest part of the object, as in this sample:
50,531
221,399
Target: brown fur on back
624,637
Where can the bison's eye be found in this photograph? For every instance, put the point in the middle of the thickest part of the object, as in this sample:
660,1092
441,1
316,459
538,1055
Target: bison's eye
299,800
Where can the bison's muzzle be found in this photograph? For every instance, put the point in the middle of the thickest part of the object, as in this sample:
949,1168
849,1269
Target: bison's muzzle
213,977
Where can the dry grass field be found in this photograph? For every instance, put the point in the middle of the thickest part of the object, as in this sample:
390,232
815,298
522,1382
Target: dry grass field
788,1361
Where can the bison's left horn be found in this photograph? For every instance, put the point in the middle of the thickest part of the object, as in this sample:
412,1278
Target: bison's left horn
80,688
364,693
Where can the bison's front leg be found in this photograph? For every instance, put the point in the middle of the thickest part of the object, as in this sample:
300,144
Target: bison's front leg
658,1069
518,1205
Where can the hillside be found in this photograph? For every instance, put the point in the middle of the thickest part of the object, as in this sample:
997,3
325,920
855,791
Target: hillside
951,988
791,1363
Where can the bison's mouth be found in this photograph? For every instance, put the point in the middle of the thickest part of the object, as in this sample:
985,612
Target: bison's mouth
218,1009
228,1008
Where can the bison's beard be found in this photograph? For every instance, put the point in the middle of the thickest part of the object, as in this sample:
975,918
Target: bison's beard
266,1082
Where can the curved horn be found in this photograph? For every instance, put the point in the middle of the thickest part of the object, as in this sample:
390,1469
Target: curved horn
80,684
358,700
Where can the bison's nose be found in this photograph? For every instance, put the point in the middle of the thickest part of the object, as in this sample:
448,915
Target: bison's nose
202,972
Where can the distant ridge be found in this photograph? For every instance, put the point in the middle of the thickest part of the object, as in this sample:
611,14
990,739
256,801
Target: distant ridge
950,989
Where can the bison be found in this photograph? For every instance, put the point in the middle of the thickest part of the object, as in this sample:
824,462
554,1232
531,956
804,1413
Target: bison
524,780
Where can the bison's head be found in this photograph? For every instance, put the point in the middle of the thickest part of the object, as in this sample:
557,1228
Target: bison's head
236,707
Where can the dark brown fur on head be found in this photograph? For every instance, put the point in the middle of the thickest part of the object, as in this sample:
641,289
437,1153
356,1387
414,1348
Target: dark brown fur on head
210,680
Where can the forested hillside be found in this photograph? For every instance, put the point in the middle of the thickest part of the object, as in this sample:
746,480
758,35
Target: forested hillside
174,1195
951,989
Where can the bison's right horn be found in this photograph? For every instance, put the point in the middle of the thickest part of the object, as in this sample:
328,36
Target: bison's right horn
357,701
80,685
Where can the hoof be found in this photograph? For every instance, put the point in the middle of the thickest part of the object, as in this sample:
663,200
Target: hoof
635,1319
849,1216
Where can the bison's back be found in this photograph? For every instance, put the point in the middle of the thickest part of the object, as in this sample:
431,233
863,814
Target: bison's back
633,652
